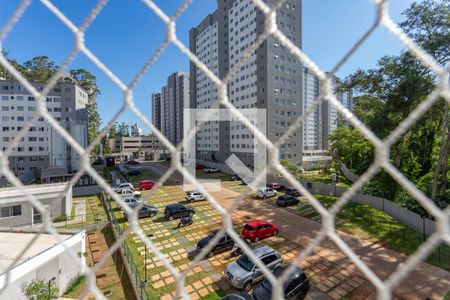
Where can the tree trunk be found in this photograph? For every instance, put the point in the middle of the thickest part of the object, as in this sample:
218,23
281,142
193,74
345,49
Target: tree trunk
442,149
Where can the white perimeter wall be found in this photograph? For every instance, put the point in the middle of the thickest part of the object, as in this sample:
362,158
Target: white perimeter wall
54,262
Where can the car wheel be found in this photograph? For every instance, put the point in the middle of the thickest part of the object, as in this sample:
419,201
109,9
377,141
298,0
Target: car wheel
152,215
191,214
210,254
256,239
264,196
248,286
170,218
275,233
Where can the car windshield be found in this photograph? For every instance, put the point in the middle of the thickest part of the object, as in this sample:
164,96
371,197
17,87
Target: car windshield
248,227
245,263
266,285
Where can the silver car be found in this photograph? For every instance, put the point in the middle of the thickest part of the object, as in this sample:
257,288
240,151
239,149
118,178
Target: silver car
243,273
122,186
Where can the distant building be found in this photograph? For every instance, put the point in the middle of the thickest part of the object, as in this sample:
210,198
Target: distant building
311,126
44,257
156,110
42,147
270,78
17,210
148,147
136,130
174,98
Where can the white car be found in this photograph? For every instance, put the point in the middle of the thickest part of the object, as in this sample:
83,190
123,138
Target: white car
265,192
126,193
194,196
122,186
210,170
131,201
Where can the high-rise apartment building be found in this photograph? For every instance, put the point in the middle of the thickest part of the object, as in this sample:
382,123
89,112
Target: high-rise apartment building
156,110
270,79
324,119
42,147
174,98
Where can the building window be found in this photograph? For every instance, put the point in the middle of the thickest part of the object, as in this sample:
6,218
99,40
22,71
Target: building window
11,211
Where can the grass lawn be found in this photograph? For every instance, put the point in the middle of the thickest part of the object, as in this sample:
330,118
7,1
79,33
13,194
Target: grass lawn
95,212
76,287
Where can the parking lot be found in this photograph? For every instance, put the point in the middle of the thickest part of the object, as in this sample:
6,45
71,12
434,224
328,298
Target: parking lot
329,280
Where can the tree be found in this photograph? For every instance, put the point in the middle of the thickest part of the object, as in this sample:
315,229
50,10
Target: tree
112,131
387,94
39,289
39,69
123,129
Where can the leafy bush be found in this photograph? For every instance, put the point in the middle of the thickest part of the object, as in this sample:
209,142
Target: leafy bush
38,289
60,219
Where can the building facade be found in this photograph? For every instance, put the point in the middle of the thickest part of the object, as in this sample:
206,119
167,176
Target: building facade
269,79
42,147
135,130
156,110
174,98
324,119
147,147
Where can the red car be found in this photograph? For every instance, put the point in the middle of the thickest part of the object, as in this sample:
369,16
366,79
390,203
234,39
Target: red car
258,230
200,166
132,162
146,184
275,186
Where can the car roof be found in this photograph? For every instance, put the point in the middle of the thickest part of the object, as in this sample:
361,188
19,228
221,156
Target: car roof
174,205
256,223
263,250
147,180
297,270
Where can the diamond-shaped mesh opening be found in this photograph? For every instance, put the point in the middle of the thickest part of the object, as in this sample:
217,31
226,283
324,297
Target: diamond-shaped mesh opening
148,245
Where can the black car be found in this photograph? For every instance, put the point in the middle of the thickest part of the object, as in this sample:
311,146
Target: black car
224,244
295,287
292,191
287,200
134,173
176,211
146,211
240,296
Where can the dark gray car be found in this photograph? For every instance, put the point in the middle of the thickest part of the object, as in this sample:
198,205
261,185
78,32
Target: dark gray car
243,273
146,211
296,285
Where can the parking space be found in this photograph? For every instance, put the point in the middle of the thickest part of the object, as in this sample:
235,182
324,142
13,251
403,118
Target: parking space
205,280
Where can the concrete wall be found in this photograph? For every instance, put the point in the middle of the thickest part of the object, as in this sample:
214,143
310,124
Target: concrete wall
54,262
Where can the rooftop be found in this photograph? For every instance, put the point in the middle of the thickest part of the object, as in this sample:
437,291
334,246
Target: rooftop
12,244
40,191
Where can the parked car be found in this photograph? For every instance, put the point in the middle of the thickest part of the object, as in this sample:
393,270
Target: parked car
146,211
296,285
134,173
146,184
210,170
235,296
200,166
131,201
257,230
292,191
243,273
126,193
133,162
176,211
287,200
265,192
224,244
194,196
275,186
124,185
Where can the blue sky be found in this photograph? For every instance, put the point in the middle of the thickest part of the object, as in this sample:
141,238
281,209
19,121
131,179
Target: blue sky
127,32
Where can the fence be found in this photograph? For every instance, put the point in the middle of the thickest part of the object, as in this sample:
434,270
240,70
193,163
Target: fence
269,30
139,285
422,225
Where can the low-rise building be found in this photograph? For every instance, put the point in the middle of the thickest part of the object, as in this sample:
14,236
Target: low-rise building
17,210
43,257
147,147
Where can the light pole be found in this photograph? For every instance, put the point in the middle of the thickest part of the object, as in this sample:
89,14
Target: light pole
145,263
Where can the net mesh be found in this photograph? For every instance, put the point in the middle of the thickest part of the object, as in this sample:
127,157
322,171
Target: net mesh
328,230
